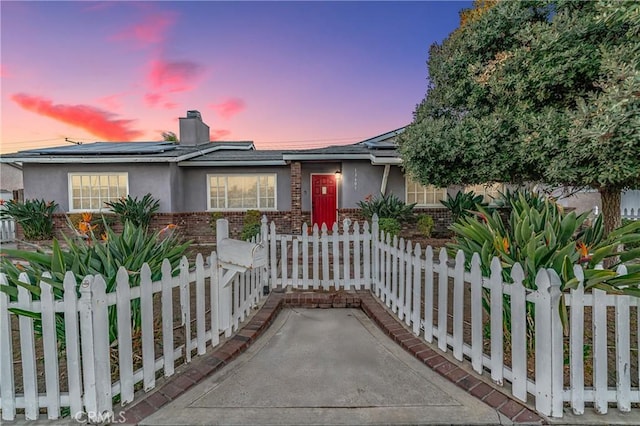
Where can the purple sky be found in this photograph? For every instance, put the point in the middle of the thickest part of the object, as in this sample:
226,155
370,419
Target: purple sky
283,74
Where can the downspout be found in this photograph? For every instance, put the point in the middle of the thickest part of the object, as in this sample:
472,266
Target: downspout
385,178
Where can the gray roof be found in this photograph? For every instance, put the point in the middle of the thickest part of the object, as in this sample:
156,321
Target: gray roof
381,149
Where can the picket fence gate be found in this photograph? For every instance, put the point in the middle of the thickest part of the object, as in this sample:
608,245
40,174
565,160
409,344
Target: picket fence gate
89,386
441,300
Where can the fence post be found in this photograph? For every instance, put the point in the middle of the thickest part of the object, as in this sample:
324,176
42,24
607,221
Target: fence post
497,321
50,348
27,352
102,349
576,342
148,340
87,348
214,297
72,341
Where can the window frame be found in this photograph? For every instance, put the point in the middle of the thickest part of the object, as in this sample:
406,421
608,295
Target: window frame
71,175
408,181
226,190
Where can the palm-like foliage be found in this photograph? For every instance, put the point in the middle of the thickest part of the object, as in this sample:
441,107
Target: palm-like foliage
35,217
387,206
138,212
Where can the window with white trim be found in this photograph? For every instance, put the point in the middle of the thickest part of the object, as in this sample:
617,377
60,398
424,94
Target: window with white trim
488,192
89,191
424,195
241,192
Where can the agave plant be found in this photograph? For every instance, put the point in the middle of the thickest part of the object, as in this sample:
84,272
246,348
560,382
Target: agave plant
463,204
138,212
130,249
35,217
387,206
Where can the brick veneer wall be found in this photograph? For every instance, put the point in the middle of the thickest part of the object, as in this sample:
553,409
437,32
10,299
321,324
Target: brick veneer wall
196,226
296,198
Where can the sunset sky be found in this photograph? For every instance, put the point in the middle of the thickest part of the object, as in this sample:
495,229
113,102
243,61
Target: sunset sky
283,74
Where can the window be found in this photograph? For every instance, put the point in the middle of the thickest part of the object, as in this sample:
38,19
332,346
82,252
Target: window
242,192
488,192
424,195
90,191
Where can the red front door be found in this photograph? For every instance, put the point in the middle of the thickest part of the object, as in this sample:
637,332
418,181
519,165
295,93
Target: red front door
324,199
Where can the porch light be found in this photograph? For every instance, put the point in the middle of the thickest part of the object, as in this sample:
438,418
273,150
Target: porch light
338,174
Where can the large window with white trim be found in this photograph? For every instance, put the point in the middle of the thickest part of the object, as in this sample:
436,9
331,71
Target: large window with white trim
488,192
242,192
424,196
89,191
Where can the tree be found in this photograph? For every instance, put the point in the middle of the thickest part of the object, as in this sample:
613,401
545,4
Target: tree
536,91
169,136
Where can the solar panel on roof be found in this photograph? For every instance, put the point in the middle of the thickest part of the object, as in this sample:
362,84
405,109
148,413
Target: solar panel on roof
102,148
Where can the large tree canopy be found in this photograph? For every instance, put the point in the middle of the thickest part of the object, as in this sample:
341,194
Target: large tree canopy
536,91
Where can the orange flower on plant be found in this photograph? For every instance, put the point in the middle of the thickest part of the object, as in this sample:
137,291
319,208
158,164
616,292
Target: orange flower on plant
86,217
169,227
583,250
505,244
104,237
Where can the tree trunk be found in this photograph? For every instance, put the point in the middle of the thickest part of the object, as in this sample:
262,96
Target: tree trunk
610,209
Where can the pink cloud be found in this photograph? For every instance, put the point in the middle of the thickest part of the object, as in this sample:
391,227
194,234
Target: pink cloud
158,100
173,76
4,72
111,102
150,31
93,120
217,134
229,107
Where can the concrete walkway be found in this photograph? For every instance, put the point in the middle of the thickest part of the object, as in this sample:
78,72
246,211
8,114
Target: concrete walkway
325,366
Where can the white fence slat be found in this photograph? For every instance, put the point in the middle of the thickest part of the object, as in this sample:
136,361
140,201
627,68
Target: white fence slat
428,294
357,265
366,255
544,377
28,353
305,256
394,274
623,349
284,262
400,281
518,334
476,314
458,305
346,258
50,349
387,270
125,351
557,349
325,256
167,319
376,273
214,296
408,283
295,259
7,385
417,288
236,301
185,306
243,295
335,251
148,339
201,331
497,336
576,342
87,346
315,245
273,257
72,343
443,290
599,314
101,345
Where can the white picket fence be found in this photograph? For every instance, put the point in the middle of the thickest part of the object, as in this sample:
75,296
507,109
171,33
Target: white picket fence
442,303
631,213
88,387
7,230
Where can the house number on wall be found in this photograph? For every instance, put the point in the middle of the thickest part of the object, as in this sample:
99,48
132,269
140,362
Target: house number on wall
324,190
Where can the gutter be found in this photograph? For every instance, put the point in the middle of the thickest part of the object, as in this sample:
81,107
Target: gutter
232,163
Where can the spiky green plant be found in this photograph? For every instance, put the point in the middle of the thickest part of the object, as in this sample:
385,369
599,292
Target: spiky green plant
138,212
129,249
463,204
35,217
387,206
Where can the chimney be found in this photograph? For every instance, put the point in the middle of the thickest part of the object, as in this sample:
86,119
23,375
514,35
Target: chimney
193,131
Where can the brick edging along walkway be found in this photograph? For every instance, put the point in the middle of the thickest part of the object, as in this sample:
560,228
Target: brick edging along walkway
203,366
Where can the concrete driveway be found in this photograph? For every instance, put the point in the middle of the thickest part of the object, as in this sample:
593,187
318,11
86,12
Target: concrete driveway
325,366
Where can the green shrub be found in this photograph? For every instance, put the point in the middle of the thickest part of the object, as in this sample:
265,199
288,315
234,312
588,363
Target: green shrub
390,226
35,217
251,226
463,204
138,212
425,225
130,249
387,206
630,246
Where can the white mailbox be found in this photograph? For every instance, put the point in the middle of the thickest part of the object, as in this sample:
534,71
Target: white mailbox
241,255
